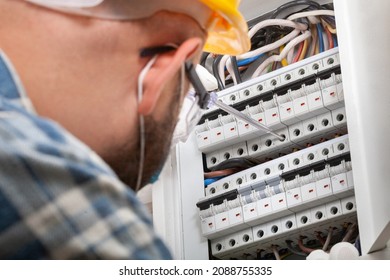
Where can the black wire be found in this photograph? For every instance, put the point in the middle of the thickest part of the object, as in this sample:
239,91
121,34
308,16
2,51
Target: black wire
240,163
235,69
203,58
216,62
268,35
293,250
291,4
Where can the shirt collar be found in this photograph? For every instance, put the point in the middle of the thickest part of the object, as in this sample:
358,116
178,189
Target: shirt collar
11,87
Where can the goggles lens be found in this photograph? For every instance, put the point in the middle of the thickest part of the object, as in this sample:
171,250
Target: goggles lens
189,117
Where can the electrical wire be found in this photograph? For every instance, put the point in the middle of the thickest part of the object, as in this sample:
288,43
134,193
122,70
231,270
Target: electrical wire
320,37
330,28
277,22
203,58
314,41
304,50
311,13
284,60
283,54
247,61
328,239
291,4
290,56
216,63
293,250
231,71
330,38
298,27
238,163
298,54
335,42
209,181
221,68
320,238
349,233
303,247
235,69
219,173
276,253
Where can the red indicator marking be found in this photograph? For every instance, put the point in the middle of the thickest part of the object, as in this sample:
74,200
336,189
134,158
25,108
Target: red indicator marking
281,200
224,219
342,182
246,125
326,186
238,215
260,120
296,196
317,99
253,209
288,109
205,138
274,115
303,104
232,129
210,224
266,205
219,133
310,191
332,93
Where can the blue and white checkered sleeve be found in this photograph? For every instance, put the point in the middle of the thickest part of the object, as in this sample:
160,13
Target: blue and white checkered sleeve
58,200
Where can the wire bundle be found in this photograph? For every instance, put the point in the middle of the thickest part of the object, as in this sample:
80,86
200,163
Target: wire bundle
294,31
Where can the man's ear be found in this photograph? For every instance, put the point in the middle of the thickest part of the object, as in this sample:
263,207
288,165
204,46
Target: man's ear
163,70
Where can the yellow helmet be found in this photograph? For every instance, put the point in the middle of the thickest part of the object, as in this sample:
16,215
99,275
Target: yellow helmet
226,27
228,34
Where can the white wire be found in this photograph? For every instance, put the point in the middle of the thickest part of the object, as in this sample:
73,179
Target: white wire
270,22
313,20
272,46
280,22
141,78
311,13
229,68
290,56
283,54
221,68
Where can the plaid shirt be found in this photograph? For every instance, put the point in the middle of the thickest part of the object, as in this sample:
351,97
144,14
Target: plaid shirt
58,199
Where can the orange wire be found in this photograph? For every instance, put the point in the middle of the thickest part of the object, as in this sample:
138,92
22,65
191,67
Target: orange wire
296,58
314,40
330,38
304,50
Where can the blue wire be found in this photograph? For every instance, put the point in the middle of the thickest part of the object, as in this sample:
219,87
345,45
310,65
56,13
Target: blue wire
212,180
247,61
335,42
320,32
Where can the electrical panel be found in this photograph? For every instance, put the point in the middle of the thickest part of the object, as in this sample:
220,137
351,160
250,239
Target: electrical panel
303,186
291,196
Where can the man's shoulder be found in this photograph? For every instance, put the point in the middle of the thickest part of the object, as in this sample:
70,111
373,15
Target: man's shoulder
60,200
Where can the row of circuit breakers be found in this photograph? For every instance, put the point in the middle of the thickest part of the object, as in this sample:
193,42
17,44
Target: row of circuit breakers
303,184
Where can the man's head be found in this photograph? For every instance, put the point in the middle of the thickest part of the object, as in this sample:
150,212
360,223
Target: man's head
82,72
